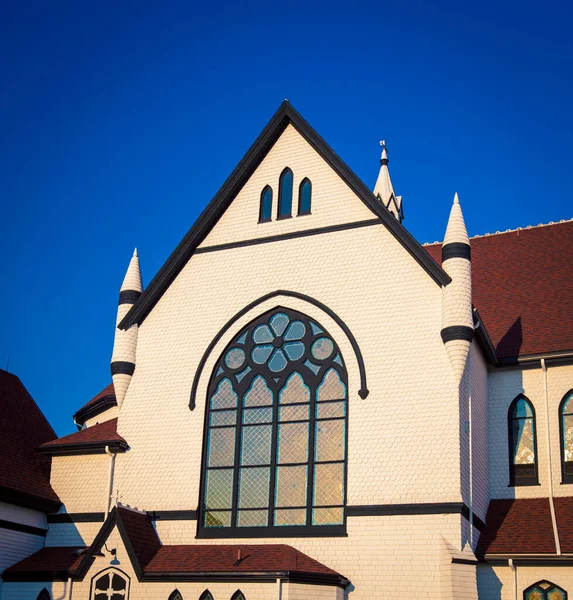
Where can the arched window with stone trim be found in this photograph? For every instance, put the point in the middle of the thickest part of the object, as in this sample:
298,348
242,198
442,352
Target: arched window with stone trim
522,442
175,595
266,207
566,434
304,197
110,584
274,457
285,194
44,595
238,595
206,595
544,590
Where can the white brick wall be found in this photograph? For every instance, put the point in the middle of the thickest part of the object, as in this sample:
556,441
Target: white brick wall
111,413
72,534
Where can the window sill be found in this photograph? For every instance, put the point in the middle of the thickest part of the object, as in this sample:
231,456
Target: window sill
283,217
523,484
567,480
264,221
272,532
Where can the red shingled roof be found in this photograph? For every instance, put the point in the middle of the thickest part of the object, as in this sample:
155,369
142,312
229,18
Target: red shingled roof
524,527
523,288
53,561
98,404
96,436
140,531
24,475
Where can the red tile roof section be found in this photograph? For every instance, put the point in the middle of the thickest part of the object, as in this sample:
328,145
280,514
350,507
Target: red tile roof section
519,527
48,560
23,428
141,533
223,559
523,288
564,518
100,433
107,391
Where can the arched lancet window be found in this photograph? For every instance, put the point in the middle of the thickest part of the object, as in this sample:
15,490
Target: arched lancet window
276,428
566,430
266,208
206,595
285,194
522,442
44,595
110,585
304,197
238,595
176,595
544,590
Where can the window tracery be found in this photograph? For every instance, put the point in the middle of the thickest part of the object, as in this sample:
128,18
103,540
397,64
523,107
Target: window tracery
544,590
522,442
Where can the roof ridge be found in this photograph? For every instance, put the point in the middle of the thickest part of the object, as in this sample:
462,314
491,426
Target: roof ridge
527,227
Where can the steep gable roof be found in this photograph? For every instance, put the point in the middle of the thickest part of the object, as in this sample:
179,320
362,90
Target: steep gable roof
98,404
284,116
24,476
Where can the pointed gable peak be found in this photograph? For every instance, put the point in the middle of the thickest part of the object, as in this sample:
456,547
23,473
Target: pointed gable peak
132,279
384,190
456,231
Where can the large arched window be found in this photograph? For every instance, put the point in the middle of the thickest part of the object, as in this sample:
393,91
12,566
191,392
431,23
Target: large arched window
544,590
304,197
110,585
44,595
266,208
276,428
285,194
566,430
522,442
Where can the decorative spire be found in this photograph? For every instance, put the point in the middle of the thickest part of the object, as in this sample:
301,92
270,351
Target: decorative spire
457,320
125,342
384,189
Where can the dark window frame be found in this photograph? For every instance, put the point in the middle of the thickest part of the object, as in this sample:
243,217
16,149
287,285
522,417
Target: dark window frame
565,476
114,571
262,218
552,587
300,212
281,216
311,380
513,480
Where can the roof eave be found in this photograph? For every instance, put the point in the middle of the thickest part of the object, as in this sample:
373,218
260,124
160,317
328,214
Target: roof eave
89,412
80,448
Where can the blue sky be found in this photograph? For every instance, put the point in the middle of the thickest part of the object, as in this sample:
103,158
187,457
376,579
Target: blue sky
119,121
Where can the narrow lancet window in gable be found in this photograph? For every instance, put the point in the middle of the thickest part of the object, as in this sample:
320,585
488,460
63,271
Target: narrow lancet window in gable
206,595
544,590
566,430
275,439
304,197
522,442
285,194
175,595
44,595
110,585
265,211
238,595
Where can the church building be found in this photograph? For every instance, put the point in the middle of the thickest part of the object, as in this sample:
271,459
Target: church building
307,403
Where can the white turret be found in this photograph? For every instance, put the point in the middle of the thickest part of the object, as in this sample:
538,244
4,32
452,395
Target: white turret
125,342
384,189
457,322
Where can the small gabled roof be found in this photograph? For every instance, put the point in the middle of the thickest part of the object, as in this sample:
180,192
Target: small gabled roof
48,564
24,475
92,440
98,404
285,115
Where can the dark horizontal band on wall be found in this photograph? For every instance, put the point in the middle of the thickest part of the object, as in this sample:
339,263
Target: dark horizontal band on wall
456,250
464,561
11,526
121,367
173,515
537,561
128,296
289,236
27,500
273,532
92,517
457,332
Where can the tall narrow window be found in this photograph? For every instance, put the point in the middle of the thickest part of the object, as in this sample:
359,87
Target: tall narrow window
44,595
175,595
285,194
206,595
238,595
110,585
275,439
265,211
566,429
522,443
304,197
544,590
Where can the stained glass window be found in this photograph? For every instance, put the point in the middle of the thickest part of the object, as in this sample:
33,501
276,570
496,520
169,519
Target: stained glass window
523,447
176,595
206,595
544,590
285,194
266,208
304,197
110,586
238,595
566,423
275,443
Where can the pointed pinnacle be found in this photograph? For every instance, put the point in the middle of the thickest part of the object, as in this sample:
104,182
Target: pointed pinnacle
456,231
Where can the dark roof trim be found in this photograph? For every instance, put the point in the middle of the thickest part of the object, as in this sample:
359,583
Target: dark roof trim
92,410
26,500
80,448
284,116
37,576
559,357
484,341
93,517
551,560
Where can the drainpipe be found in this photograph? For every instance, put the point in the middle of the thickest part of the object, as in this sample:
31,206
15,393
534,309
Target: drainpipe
513,567
470,449
69,589
279,589
112,456
549,469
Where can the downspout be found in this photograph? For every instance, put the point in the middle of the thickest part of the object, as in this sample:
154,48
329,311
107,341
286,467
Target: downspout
549,469
279,588
112,456
69,589
470,448
513,567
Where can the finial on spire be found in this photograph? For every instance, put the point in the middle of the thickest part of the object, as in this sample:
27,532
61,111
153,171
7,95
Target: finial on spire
135,252
384,157
384,188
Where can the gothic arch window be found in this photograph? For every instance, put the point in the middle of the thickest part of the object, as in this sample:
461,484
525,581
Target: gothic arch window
206,595
238,595
304,197
522,442
274,458
44,595
544,590
176,595
285,194
266,208
566,431
110,585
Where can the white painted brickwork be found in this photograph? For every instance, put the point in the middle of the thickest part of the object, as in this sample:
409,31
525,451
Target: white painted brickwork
504,386
110,413
72,534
